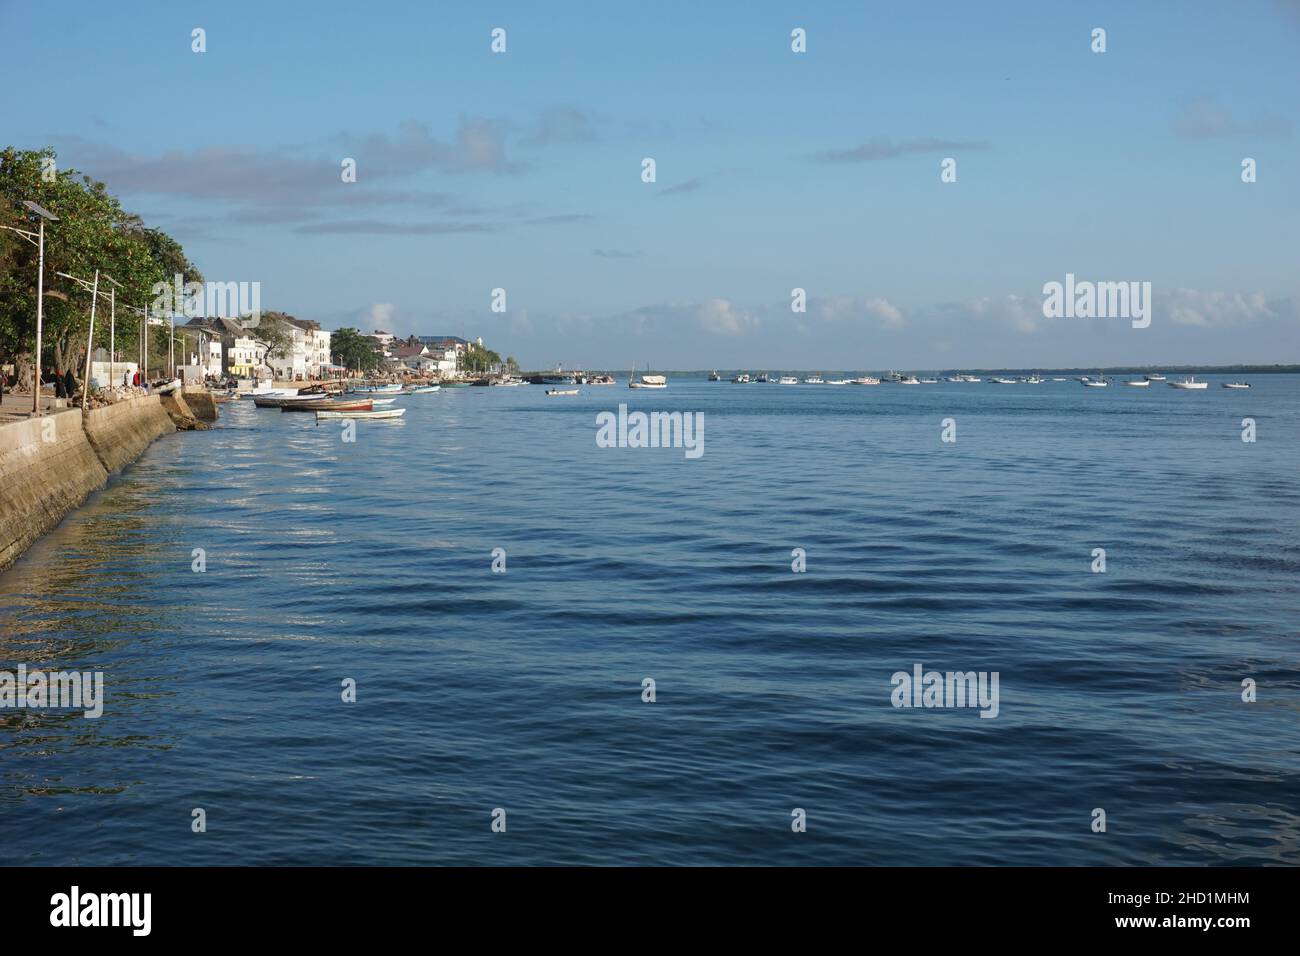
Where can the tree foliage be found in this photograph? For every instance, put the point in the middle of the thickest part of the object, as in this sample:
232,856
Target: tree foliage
356,352
93,232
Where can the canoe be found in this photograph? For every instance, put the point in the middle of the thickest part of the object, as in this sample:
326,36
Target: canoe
327,405
384,413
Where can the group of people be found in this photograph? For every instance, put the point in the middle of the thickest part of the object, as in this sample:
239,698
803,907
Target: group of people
135,379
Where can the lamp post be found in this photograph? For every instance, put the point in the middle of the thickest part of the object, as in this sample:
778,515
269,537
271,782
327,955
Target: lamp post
90,337
37,239
112,331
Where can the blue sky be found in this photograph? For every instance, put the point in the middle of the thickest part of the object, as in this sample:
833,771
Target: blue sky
775,170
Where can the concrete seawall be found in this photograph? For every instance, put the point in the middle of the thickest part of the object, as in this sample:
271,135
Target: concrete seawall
50,465
120,433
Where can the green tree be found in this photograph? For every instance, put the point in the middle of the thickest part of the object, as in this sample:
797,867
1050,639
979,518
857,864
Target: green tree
274,333
93,232
356,352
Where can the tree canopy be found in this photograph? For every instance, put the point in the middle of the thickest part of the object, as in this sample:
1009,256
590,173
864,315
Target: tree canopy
93,232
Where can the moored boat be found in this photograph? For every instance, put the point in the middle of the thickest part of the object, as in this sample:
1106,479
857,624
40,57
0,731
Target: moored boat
328,405
385,413
1236,385
562,391
1139,383
1189,382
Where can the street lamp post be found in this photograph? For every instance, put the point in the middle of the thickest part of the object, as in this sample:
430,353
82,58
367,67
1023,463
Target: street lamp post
37,239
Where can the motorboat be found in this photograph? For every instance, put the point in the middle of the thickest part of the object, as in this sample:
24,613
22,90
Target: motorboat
787,380
562,391
741,379
1138,383
1236,385
865,380
1189,382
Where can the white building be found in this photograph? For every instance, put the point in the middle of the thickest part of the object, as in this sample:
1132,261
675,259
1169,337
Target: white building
306,354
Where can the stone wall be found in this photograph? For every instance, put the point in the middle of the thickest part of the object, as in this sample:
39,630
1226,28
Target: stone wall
50,465
47,468
120,433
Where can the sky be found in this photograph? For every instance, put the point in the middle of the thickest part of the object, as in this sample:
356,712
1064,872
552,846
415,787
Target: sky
774,170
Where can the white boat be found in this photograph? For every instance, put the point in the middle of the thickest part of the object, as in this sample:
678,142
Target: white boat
378,388
971,378
866,380
1138,383
561,391
741,379
954,378
837,381
650,381
420,389
1059,380
384,413
382,401
1155,377
1236,385
787,380
814,380
1095,383
998,380
1033,380
1189,383
929,381
908,380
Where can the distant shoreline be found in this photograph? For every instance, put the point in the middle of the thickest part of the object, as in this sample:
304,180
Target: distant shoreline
1026,369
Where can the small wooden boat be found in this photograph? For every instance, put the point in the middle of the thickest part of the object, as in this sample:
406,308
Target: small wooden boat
329,405
384,413
561,391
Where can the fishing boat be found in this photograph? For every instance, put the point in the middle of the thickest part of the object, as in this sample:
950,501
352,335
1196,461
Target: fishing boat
1138,383
420,389
971,378
385,413
279,401
787,380
1236,385
929,381
1154,377
562,391
601,380
1094,382
649,381
1189,382
454,383
998,380
714,376
393,387
1033,380
329,405
865,380
814,380
741,379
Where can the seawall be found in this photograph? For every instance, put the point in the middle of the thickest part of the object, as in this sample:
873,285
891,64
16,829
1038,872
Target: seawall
50,465
120,433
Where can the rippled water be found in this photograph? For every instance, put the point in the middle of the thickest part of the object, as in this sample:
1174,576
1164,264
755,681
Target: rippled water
372,560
